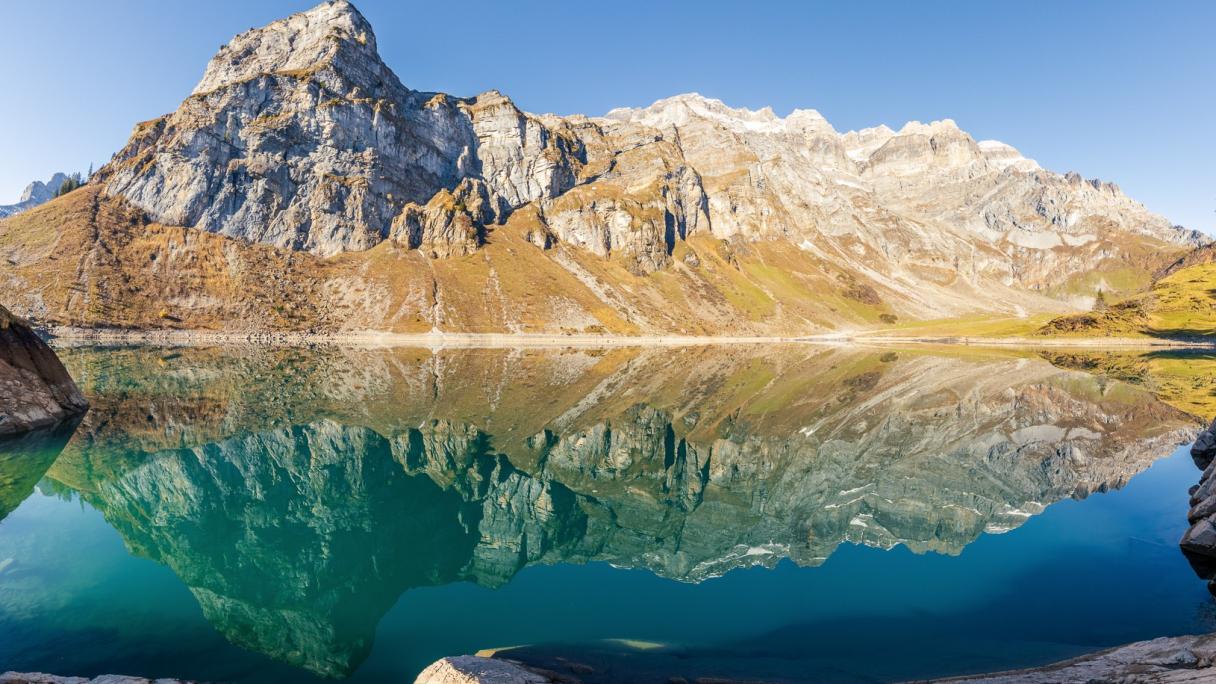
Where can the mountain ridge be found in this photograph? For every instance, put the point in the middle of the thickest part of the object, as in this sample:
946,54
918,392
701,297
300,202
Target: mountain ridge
298,136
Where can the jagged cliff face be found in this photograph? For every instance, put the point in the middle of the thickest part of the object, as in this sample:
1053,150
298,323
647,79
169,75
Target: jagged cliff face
912,210
407,211
298,510
299,136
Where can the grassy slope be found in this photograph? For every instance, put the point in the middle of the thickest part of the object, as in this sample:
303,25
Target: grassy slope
88,260
969,326
1181,304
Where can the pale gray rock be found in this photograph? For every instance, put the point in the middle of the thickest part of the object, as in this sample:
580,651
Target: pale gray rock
519,157
451,223
1168,660
35,389
478,670
35,193
42,678
298,136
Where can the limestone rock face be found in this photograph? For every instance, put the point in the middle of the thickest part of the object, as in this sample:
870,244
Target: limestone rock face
299,136
35,389
520,157
451,223
34,194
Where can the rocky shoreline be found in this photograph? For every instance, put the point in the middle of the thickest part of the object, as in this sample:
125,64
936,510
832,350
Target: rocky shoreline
43,678
74,336
1167,660
1199,542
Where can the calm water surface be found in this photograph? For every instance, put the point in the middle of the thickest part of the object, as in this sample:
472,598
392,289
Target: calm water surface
772,513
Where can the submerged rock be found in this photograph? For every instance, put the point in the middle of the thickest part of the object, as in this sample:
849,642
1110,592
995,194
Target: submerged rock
35,389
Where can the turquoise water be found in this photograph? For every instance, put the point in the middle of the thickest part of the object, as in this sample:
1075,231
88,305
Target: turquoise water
787,515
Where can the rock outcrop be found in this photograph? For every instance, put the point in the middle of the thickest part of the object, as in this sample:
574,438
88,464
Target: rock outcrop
1204,449
35,389
684,216
43,678
1168,660
35,193
299,136
479,670
1199,542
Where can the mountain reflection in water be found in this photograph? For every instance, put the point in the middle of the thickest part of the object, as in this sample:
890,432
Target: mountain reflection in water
299,493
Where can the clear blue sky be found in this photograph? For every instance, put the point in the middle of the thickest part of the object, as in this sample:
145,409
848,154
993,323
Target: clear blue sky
1119,90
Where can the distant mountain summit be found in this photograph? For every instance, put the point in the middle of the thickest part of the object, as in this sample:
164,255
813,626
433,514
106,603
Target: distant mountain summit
34,194
684,216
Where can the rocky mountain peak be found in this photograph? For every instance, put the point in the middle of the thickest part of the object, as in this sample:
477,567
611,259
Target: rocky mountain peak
331,34
932,128
39,192
682,109
34,194
1005,156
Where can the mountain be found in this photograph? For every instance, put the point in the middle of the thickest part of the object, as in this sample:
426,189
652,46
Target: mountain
393,209
298,493
34,194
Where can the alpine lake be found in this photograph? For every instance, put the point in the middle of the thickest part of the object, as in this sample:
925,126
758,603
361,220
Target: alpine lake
791,513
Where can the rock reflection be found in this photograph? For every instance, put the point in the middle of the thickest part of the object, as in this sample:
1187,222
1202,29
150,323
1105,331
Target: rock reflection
299,493
25,459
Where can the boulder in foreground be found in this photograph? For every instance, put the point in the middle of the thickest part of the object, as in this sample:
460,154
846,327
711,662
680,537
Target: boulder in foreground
478,670
1168,660
41,678
35,389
